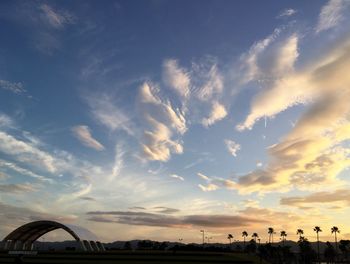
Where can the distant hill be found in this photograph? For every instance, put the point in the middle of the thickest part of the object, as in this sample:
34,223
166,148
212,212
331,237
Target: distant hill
164,245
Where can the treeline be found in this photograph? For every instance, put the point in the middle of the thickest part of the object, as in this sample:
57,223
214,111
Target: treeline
273,253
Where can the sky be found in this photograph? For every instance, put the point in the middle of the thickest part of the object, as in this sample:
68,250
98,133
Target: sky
157,119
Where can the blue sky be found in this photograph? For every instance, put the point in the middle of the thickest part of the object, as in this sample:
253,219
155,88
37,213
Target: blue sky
160,118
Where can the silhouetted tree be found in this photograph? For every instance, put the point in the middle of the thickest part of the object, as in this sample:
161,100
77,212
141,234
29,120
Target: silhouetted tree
238,247
127,245
230,236
251,247
335,230
329,252
244,235
317,229
145,244
307,254
255,236
344,246
270,231
283,235
300,232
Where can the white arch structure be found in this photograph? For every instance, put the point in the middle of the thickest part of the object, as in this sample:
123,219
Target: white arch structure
24,236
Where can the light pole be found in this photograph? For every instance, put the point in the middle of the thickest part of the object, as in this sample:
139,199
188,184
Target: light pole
202,231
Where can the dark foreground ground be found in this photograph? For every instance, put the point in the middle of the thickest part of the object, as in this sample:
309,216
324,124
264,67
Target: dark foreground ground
130,257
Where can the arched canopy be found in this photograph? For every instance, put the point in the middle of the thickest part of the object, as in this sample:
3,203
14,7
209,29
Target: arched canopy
32,231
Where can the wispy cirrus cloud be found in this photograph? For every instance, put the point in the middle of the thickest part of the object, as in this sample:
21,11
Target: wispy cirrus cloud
250,69
106,112
14,167
83,134
175,176
57,19
276,74
215,183
25,152
208,81
232,147
6,121
176,77
161,122
17,188
45,23
203,83
15,87
118,161
209,187
331,14
287,13
312,152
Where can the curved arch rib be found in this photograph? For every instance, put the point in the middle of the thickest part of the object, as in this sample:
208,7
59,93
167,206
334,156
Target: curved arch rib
32,231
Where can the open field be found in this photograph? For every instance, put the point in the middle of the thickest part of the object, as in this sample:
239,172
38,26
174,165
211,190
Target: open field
127,257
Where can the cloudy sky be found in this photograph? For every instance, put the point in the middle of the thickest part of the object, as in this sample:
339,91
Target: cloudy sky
156,119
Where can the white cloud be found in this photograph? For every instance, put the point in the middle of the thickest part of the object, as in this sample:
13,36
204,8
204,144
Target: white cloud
210,187
287,80
57,19
209,82
118,161
17,188
232,147
84,135
162,122
204,177
287,13
312,153
175,176
249,69
217,113
26,172
16,88
157,143
214,183
108,114
331,14
5,121
25,152
28,154
286,56
176,77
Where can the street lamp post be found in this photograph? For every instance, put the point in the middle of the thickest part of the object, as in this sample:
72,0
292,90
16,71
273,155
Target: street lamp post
202,231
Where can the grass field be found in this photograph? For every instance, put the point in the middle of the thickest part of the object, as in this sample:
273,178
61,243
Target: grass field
130,257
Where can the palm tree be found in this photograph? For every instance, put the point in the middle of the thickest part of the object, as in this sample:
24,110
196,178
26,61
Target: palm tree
283,235
317,229
255,236
229,236
270,231
335,230
244,235
300,232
